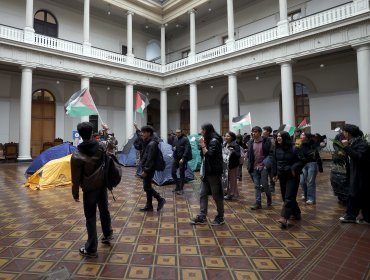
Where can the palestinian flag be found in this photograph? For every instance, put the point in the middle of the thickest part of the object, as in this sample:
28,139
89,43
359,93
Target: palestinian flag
141,103
304,123
288,128
81,104
241,121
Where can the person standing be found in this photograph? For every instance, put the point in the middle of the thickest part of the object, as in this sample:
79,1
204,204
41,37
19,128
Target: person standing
267,133
287,166
84,162
181,155
358,151
243,147
149,157
211,171
259,157
231,157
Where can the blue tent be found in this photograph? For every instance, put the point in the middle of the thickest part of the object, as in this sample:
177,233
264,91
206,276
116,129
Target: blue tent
128,155
50,154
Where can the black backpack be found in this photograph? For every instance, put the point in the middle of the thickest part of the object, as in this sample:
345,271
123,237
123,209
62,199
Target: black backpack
160,164
112,172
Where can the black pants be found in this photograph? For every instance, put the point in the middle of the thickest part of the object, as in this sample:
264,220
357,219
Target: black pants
182,167
357,203
150,192
289,185
91,200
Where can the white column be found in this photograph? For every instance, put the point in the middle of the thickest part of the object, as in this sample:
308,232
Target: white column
86,27
25,115
85,83
192,36
283,24
230,25
29,32
129,34
163,45
193,108
129,111
363,72
287,93
164,125
233,99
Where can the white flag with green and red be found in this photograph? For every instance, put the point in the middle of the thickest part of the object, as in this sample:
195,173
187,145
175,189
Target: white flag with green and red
141,103
81,104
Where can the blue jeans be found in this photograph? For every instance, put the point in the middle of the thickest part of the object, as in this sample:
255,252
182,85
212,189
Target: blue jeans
260,180
308,180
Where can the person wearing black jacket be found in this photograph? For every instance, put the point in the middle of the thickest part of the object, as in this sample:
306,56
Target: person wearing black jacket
211,171
231,156
84,162
259,160
287,167
181,155
148,162
358,151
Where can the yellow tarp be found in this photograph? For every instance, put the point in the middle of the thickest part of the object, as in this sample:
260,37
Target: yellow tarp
55,173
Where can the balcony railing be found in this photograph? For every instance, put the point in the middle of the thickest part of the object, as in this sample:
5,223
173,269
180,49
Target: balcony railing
322,18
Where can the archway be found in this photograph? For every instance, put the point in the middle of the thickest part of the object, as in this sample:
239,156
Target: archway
43,120
45,23
225,114
185,116
154,115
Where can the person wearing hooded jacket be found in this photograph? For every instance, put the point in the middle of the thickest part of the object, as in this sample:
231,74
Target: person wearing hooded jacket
84,162
211,171
148,160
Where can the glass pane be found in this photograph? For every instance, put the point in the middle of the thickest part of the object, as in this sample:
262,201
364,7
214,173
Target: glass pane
48,96
40,15
37,95
50,18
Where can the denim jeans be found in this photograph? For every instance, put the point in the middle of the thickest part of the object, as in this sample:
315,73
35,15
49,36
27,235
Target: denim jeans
308,180
260,180
91,200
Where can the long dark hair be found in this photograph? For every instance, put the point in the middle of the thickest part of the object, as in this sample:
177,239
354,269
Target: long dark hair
287,142
209,132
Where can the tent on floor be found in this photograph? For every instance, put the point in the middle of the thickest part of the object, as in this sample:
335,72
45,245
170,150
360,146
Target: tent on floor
195,163
127,157
165,177
50,154
54,173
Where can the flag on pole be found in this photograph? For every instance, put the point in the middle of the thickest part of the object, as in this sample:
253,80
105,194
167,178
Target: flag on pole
81,104
288,128
141,103
304,123
241,121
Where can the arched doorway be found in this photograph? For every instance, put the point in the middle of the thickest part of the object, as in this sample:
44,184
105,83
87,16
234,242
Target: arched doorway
225,114
185,116
45,23
43,119
154,115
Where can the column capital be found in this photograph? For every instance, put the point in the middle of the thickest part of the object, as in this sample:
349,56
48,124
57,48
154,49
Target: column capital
361,46
28,66
192,11
130,83
230,73
192,82
163,89
86,76
285,61
130,13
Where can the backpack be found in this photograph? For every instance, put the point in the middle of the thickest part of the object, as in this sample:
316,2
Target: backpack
113,171
160,164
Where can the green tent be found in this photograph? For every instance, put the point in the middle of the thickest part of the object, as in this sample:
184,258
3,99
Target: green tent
194,164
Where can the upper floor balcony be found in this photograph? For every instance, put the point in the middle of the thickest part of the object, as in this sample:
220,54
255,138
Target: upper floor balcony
324,18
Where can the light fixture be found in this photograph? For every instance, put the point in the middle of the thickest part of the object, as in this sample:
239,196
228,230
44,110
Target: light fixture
177,93
177,25
147,94
108,10
57,82
257,77
108,87
211,86
209,9
166,24
322,65
146,26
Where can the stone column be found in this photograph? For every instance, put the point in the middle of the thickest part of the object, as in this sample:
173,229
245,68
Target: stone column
129,110
363,72
85,83
129,34
283,24
164,124
163,45
86,27
29,32
25,118
287,93
233,99
230,24
193,108
192,36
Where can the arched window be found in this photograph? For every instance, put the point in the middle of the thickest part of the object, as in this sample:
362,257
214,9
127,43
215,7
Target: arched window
185,116
225,114
45,23
302,102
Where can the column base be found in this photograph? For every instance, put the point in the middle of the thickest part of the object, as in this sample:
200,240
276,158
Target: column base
24,159
283,28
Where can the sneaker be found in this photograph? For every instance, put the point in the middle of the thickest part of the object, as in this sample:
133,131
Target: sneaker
161,203
347,219
256,206
228,197
303,198
362,222
86,254
198,220
218,221
107,239
310,202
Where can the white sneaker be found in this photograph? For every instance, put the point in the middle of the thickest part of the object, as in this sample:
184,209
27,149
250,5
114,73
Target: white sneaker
303,197
310,202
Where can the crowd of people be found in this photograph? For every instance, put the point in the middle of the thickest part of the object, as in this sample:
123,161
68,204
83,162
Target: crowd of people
270,156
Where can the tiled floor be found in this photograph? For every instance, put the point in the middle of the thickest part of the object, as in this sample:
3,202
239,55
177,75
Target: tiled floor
41,231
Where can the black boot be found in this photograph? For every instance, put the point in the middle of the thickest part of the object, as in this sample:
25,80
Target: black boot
149,203
269,200
180,191
177,188
161,200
